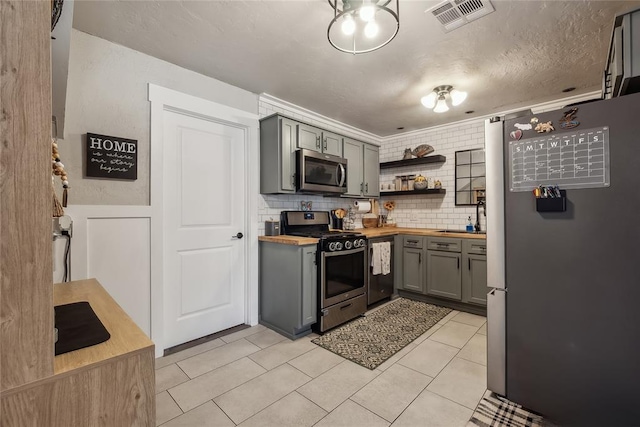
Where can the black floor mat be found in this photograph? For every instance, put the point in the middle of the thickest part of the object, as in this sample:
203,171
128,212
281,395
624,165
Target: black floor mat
78,327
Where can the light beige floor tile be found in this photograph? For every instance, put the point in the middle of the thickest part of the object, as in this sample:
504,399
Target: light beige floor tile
350,414
316,362
282,352
391,392
470,319
462,381
252,397
169,376
475,350
166,408
429,358
448,317
265,338
292,410
483,330
336,385
399,355
431,410
212,359
243,333
427,334
454,334
207,415
161,362
212,384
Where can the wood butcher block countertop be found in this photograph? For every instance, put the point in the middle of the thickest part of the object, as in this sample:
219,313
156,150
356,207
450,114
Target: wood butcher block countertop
375,232
126,337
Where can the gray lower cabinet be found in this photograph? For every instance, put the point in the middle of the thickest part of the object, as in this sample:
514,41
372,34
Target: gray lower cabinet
413,264
316,139
474,277
288,288
278,144
444,277
363,168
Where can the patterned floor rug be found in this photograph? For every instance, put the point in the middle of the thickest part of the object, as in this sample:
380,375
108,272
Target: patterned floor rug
372,339
496,411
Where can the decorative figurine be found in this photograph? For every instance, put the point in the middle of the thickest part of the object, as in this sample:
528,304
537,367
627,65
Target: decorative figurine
568,120
544,127
515,134
407,154
525,126
422,150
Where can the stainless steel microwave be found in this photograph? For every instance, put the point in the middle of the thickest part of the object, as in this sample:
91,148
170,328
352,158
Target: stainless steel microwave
320,173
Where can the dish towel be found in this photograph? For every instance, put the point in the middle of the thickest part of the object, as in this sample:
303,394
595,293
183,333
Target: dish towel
381,258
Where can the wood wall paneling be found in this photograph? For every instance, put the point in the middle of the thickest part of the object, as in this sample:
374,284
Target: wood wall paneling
26,309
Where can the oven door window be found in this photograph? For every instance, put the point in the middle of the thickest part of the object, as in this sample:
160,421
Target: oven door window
321,172
343,273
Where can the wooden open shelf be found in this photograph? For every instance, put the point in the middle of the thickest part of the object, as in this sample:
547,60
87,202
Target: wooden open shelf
438,158
413,192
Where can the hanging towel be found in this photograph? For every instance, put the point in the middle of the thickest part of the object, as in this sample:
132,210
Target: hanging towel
381,258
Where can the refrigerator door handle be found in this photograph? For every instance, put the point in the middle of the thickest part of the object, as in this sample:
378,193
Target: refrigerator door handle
495,187
497,341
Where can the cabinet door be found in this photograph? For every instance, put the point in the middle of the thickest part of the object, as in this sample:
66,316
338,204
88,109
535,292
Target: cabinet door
444,277
371,168
353,154
309,286
475,279
413,270
288,160
309,137
331,143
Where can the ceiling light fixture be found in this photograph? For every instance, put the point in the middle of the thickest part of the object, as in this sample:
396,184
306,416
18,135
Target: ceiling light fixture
438,98
376,20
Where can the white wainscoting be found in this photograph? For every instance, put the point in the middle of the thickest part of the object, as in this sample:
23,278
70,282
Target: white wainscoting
113,244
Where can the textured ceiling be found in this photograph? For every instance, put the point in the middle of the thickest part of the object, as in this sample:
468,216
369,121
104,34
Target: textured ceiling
525,52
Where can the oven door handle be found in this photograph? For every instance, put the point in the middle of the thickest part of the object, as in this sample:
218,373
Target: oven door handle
342,175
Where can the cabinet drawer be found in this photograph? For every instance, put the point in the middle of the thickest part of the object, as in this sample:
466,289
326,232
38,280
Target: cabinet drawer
444,244
475,246
412,242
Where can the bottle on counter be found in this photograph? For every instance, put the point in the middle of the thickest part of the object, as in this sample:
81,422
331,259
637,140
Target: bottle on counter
469,225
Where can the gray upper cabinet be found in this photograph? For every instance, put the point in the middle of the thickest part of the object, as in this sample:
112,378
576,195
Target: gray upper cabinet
316,139
278,144
363,169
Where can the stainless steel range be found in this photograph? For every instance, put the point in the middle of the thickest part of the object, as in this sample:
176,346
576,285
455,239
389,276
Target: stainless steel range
342,266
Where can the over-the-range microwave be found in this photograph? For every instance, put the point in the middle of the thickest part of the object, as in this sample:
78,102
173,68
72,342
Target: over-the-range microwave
320,173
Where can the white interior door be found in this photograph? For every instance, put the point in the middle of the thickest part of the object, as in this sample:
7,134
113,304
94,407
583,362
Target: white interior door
204,260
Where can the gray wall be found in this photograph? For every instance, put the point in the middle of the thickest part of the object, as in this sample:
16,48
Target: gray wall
107,94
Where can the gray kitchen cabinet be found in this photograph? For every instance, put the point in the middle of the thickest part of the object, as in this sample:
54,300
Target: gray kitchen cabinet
288,288
363,168
413,264
316,139
278,144
474,277
443,264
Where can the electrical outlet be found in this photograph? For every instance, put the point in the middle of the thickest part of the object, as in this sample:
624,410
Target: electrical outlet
413,216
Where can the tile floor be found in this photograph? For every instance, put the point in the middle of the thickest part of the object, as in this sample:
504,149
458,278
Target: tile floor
256,377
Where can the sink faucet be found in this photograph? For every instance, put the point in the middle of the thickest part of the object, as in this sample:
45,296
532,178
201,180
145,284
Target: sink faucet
484,211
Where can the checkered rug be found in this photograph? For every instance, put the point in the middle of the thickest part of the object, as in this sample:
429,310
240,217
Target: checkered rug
496,411
370,340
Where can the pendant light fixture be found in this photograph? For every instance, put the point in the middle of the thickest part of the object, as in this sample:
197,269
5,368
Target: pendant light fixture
437,100
361,26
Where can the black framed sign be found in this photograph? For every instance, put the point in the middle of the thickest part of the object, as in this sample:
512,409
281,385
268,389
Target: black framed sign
111,157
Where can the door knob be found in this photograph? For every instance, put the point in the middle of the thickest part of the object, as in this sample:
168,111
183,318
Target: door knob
238,236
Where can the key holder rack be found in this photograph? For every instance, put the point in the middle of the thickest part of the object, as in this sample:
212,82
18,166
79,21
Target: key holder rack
552,204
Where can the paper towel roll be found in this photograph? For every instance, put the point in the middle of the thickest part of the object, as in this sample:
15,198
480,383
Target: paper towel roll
362,206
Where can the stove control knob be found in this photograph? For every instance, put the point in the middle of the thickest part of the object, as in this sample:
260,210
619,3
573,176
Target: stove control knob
332,246
361,243
338,246
348,245
356,243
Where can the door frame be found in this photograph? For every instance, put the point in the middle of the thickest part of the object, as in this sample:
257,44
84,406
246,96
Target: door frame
164,99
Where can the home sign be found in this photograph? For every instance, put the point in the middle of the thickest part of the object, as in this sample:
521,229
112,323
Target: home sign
111,157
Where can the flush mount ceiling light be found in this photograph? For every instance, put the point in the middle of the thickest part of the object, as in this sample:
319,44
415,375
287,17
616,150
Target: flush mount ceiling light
361,26
438,98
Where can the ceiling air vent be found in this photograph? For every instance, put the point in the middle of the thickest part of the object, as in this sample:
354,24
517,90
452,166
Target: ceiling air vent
453,14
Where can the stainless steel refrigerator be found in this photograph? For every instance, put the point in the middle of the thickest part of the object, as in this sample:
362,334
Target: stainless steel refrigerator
564,307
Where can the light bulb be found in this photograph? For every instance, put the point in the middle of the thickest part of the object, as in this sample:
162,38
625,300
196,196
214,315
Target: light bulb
429,101
371,29
457,97
348,25
441,106
367,11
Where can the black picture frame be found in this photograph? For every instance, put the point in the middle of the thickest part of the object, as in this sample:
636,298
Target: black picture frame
111,157
470,177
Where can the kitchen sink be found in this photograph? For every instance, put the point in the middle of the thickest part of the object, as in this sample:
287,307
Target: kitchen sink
461,231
